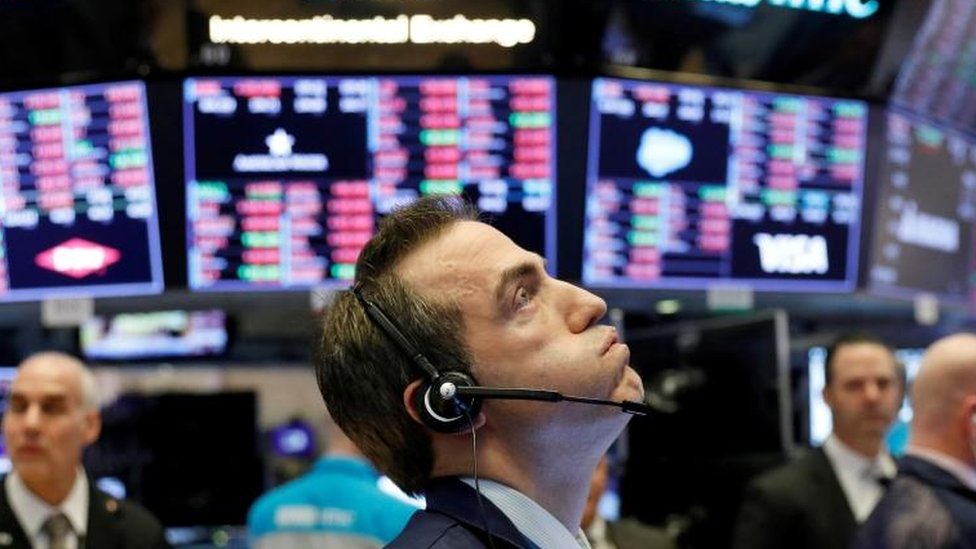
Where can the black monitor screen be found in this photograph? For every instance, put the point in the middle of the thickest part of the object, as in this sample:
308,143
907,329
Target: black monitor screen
924,211
78,202
191,459
723,411
687,186
287,177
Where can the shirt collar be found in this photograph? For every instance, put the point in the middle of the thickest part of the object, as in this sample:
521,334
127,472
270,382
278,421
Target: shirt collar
530,518
32,511
845,458
957,468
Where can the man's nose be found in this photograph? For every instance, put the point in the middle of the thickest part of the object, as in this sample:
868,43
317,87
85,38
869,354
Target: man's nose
32,417
584,308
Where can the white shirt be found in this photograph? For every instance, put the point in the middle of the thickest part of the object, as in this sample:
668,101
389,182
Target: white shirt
32,512
529,517
859,475
958,469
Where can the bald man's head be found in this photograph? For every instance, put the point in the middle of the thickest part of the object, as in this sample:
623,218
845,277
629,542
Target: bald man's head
76,373
52,415
944,395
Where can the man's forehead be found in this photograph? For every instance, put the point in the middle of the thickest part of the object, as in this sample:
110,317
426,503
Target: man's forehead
463,258
48,378
856,359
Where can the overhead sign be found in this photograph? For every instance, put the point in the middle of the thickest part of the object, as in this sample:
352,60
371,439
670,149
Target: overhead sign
402,29
858,9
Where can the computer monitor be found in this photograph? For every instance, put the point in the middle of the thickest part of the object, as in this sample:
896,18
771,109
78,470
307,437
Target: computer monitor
7,374
191,459
154,335
78,203
721,393
287,177
819,419
691,186
925,210
935,79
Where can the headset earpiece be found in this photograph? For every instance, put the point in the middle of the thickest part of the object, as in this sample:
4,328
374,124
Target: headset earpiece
440,408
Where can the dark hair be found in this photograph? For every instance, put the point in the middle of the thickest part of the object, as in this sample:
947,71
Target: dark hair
361,374
855,338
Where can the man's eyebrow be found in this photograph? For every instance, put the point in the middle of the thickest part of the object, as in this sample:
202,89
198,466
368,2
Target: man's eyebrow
515,272
45,397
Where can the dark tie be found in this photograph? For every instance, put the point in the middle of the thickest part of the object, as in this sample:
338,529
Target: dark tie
57,527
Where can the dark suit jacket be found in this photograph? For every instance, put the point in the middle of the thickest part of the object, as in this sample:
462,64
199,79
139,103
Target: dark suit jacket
797,505
112,524
454,519
925,507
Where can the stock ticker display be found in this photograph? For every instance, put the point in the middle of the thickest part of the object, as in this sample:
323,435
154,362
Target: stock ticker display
938,76
288,177
690,186
926,208
78,204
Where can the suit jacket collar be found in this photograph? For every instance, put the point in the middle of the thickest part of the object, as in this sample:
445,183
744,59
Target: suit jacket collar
11,532
824,474
452,497
933,475
103,524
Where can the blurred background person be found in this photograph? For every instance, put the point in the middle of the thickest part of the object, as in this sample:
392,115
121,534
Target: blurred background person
619,534
340,502
818,499
47,501
932,502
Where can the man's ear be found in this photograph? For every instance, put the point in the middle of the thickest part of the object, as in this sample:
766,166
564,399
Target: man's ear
409,398
93,426
409,394
828,396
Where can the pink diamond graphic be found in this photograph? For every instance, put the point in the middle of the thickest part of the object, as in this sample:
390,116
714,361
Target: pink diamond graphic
77,258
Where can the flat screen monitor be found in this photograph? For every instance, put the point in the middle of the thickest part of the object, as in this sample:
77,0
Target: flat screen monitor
78,203
721,391
287,177
819,420
7,374
191,459
154,335
691,186
924,211
936,77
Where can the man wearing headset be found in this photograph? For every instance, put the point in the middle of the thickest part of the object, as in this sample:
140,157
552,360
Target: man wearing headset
469,307
932,501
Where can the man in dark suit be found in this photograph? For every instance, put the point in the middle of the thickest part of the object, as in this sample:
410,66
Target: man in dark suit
932,502
441,302
47,501
817,500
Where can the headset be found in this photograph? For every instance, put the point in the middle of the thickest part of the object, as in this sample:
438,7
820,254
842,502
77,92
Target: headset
449,399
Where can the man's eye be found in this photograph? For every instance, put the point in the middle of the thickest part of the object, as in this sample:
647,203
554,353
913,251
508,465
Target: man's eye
522,298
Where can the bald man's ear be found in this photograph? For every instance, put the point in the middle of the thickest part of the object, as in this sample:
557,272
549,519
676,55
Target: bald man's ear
93,426
409,395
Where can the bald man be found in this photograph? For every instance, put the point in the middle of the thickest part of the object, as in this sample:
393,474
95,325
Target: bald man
932,501
47,502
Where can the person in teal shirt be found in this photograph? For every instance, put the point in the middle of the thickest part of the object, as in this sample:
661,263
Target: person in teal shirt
340,502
